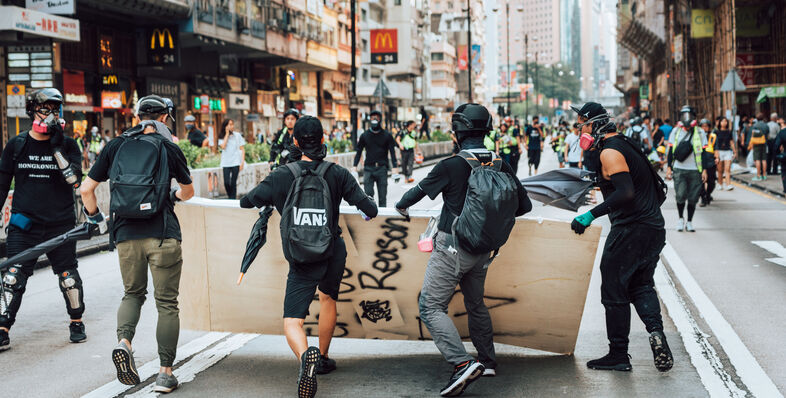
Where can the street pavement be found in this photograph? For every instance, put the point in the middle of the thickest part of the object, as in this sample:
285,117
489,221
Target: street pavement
727,258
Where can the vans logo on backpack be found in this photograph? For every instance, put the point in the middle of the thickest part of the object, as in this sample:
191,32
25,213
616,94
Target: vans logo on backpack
312,217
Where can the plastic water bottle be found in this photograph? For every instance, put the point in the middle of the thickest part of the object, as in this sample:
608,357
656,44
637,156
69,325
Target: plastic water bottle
365,217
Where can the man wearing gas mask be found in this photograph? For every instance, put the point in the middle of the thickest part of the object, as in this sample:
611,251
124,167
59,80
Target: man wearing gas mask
686,144
378,143
46,167
633,194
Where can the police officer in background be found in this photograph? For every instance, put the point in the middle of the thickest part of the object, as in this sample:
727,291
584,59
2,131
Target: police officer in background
45,166
378,143
283,149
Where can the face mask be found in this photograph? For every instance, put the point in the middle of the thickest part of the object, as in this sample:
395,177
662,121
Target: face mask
586,141
374,124
42,126
189,126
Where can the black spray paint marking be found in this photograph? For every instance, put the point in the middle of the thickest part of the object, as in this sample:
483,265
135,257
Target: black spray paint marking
376,310
386,258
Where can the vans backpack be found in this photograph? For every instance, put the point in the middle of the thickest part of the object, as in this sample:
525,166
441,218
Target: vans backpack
139,180
489,211
307,220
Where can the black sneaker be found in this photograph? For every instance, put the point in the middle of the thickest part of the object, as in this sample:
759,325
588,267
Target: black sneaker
463,376
325,365
307,379
5,341
660,351
614,360
77,332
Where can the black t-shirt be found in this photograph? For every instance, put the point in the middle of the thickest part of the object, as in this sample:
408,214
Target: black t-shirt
534,138
273,190
131,229
450,177
40,190
377,146
723,140
644,209
657,137
196,137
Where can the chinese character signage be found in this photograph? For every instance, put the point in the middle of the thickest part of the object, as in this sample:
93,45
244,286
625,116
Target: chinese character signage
38,23
384,46
162,46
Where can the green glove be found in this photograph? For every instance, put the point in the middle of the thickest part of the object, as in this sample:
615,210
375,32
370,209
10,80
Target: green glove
581,222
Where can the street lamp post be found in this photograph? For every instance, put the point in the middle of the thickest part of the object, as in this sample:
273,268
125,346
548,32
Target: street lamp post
526,77
508,78
353,108
469,49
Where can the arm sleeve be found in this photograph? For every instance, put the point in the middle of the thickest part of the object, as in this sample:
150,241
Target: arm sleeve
622,195
392,147
355,196
525,204
6,169
359,150
411,197
262,194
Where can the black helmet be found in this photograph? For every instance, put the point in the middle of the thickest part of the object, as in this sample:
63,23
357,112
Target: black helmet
637,120
152,105
40,97
596,114
471,119
375,112
705,121
687,116
292,111
170,108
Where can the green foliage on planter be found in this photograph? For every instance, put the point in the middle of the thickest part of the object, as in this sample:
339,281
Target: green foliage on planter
257,153
339,146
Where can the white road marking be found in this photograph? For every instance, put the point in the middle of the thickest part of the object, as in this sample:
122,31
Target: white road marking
702,355
188,371
748,369
774,248
149,369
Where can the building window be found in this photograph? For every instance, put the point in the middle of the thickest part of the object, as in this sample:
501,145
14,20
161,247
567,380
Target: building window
363,44
365,75
363,15
437,56
397,2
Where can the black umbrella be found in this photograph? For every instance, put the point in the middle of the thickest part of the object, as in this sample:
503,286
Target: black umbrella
562,188
256,240
81,232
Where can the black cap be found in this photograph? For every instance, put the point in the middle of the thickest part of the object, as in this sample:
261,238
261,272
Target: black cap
375,112
308,130
589,110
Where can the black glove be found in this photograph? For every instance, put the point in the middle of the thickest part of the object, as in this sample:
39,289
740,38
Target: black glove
577,227
403,212
56,135
172,195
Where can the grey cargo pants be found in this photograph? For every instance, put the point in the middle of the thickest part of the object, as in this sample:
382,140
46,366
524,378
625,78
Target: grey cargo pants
439,286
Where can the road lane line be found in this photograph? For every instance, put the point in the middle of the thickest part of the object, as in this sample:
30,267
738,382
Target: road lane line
702,355
150,369
759,192
774,248
188,371
748,369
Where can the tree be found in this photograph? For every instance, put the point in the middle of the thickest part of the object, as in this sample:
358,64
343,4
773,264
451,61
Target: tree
552,81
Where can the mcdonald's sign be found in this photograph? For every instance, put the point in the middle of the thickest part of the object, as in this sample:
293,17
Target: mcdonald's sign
162,46
384,46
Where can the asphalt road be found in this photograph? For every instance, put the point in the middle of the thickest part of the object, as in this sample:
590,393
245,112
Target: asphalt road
746,289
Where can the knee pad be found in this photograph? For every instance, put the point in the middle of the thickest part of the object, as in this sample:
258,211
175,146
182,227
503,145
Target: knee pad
71,286
14,282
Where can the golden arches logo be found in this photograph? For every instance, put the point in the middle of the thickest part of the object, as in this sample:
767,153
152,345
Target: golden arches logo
385,38
164,37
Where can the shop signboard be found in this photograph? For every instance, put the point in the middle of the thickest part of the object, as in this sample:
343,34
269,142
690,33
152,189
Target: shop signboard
61,7
240,101
702,23
164,88
163,46
384,46
213,104
112,99
38,23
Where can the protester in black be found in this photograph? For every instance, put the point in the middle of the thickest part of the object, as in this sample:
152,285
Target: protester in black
304,279
424,124
196,137
534,140
42,208
633,196
378,143
283,149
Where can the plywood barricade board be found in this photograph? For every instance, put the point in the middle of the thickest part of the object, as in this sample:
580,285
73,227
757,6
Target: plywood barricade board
535,289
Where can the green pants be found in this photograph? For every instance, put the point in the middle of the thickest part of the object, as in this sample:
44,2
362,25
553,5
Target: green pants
166,261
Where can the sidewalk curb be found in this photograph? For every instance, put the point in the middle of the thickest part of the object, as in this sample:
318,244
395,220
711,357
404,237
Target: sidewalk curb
758,186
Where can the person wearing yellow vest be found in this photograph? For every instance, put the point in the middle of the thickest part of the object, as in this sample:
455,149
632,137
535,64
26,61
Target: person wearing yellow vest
508,147
687,143
490,141
709,162
407,145
94,145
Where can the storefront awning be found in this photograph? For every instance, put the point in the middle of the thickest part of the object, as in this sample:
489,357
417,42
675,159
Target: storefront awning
639,39
771,92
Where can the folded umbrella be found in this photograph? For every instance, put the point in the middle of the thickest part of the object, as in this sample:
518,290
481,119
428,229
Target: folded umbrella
562,188
256,240
81,232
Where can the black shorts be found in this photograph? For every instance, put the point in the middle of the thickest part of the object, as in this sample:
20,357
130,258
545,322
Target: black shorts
303,280
534,157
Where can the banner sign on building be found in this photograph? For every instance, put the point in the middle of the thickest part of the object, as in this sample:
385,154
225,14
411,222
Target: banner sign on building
702,23
164,88
38,23
240,101
62,7
384,46
747,75
162,46
476,58
462,57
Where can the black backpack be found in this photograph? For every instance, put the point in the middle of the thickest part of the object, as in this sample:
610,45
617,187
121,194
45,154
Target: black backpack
307,220
489,211
139,176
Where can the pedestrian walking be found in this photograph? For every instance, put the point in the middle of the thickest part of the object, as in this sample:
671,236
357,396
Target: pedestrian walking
377,143
298,188
558,145
685,166
146,231
573,151
666,128
780,148
534,140
408,146
709,162
283,149
424,131
633,194
454,262
42,208
233,155
725,152
758,145
508,147
196,137
771,165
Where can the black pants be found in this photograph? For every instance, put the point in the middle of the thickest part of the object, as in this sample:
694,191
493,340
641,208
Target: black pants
772,164
534,157
424,131
378,174
708,187
783,175
230,181
407,162
627,267
63,258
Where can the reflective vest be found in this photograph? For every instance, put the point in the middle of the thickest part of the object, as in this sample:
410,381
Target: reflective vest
407,141
283,135
696,141
488,141
95,144
513,143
